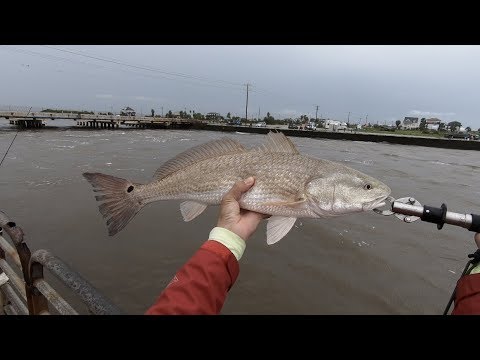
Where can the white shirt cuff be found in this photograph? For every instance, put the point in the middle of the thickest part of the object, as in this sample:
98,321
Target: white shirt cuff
230,240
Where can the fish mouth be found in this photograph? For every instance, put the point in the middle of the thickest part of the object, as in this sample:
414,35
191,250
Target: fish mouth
377,203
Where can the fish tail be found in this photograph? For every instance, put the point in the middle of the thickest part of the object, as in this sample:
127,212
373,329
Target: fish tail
120,201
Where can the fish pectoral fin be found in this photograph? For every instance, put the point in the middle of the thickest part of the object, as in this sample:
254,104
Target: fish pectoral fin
278,227
283,203
191,209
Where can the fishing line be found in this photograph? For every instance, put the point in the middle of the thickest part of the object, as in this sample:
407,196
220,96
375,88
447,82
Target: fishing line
9,148
4,156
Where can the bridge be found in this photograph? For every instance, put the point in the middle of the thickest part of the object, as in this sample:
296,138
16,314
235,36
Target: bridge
24,119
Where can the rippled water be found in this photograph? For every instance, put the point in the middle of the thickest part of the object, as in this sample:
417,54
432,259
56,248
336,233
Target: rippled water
356,264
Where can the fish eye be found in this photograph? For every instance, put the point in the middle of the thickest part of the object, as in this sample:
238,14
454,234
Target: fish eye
367,186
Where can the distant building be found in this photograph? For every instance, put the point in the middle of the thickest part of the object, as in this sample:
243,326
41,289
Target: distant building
335,125
410,123
213,116
433,123
128,111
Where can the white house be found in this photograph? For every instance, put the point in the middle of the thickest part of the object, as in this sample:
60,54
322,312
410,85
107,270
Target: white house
410,123
433,123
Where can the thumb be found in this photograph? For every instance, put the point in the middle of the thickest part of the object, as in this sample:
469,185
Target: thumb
477,239
238,189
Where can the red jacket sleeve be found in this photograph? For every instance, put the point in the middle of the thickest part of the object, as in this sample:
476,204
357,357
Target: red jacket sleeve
201,285
467,296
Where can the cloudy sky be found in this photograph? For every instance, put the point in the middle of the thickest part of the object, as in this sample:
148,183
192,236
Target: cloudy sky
384,82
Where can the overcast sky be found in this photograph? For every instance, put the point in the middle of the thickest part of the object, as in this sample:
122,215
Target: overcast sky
386,82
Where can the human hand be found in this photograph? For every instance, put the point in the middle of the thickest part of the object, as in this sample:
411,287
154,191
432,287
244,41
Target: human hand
239,221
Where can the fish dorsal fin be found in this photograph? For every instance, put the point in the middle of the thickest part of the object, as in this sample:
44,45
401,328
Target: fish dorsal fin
278,142
198,153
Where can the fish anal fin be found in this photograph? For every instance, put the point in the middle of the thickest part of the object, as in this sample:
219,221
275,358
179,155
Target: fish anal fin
191,209
199,153
278,227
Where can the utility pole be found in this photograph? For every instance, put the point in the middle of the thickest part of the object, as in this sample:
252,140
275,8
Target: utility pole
348,118
366,118
162,111
316,113
259,113
246,105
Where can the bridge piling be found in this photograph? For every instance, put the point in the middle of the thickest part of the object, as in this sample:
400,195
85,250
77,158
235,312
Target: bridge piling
93,121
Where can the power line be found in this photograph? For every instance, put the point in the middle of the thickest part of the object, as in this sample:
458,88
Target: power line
142,67
159,73
57,58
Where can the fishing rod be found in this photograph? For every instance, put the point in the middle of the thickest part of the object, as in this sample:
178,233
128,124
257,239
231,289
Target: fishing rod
409,210
4,156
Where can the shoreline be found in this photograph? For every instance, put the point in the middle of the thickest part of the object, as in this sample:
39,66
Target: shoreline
456,144
368,137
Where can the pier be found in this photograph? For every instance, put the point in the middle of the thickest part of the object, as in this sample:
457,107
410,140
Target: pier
94,121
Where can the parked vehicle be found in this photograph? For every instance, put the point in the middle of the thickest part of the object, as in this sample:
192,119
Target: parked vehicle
260,124
457,136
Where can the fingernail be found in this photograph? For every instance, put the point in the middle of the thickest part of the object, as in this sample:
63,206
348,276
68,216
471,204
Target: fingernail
249,180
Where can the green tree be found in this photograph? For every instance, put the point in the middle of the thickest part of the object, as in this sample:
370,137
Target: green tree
269,120
184,114
423,124
441,126
468,129
454,124
198,116
169,114
398,123
304,118
153,113
229,116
